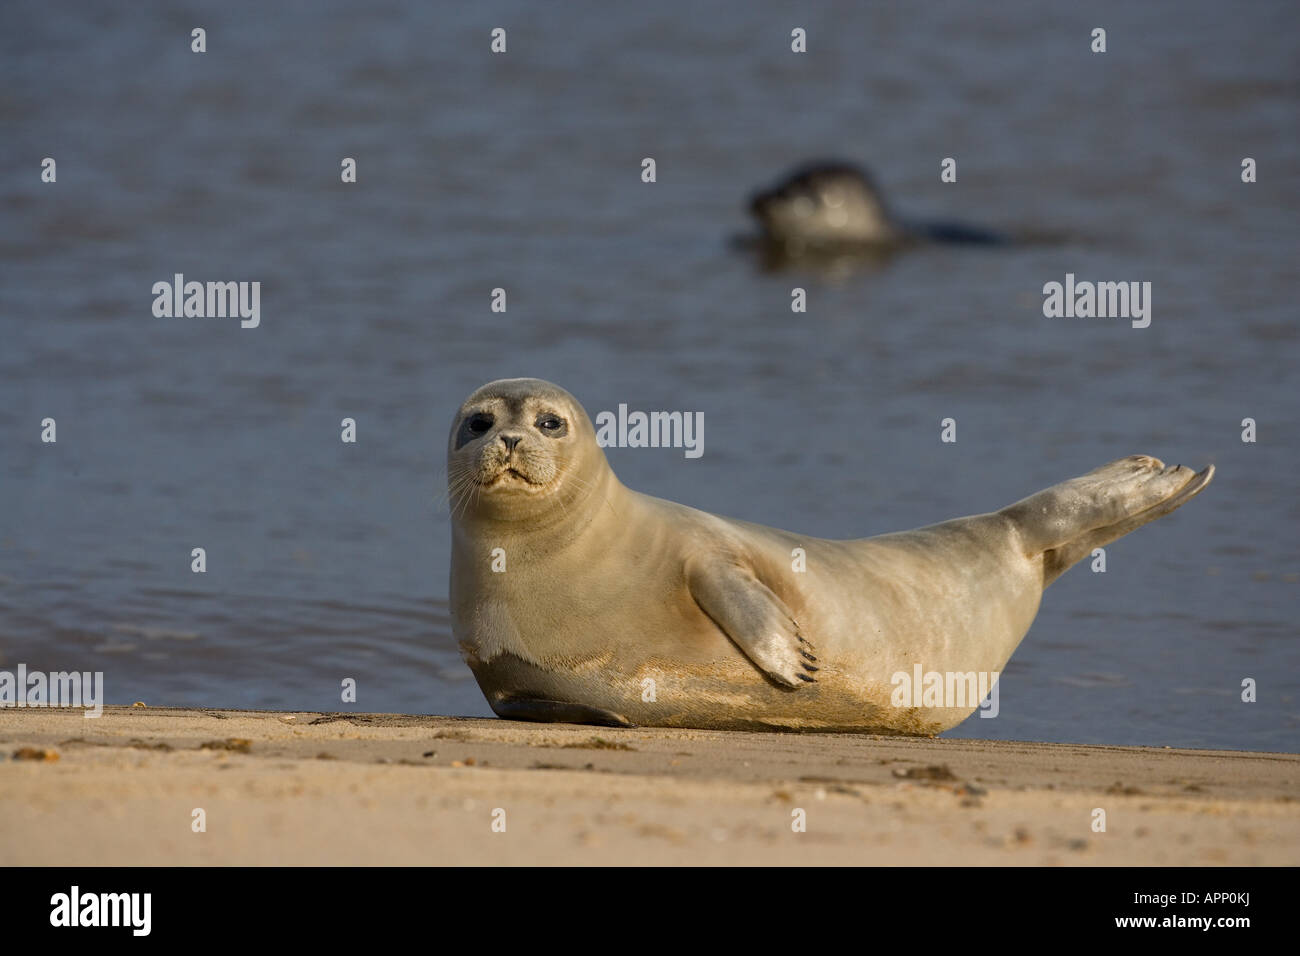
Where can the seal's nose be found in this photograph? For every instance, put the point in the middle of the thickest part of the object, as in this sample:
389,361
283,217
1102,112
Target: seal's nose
510,441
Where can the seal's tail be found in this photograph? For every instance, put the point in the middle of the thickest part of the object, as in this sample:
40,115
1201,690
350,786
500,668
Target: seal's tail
1066,522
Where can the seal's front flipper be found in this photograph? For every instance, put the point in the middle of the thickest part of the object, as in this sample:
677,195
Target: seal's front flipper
755,619
555,712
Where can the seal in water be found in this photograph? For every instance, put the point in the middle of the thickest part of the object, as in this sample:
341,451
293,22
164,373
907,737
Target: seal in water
577,599
829,206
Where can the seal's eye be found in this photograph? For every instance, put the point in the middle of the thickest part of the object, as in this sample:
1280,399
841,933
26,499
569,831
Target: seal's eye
479,424
552,425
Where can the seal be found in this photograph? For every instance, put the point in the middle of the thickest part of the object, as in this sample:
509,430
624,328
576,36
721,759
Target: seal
828,206
577,599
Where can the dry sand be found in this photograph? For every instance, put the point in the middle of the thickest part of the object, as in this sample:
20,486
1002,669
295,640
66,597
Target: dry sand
302,788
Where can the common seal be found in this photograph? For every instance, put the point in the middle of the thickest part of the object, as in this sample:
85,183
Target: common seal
577,599
828,206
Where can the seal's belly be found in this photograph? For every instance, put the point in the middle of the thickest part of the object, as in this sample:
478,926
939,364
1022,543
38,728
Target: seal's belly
707,683
727,695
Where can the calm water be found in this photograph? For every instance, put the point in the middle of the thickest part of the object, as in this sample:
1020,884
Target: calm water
328,560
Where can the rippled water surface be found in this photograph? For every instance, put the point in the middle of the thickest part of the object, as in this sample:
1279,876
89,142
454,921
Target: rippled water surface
522,171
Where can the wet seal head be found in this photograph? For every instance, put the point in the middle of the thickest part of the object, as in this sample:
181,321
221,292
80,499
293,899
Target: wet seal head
825,202
520,448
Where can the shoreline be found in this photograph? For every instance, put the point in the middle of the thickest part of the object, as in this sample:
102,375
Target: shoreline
361,789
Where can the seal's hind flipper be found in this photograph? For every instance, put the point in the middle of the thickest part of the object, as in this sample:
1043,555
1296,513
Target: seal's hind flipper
1065,522
555,712
755,619
1058,560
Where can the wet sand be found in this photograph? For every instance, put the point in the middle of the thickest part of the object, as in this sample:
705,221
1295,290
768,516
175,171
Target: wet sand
304,788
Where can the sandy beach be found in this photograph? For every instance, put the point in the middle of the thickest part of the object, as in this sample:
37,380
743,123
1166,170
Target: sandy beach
304,788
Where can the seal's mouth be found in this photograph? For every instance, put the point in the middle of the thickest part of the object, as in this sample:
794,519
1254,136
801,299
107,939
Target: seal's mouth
507,478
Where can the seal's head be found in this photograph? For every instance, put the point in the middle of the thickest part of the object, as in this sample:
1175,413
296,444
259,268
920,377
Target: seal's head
520,449
824,203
